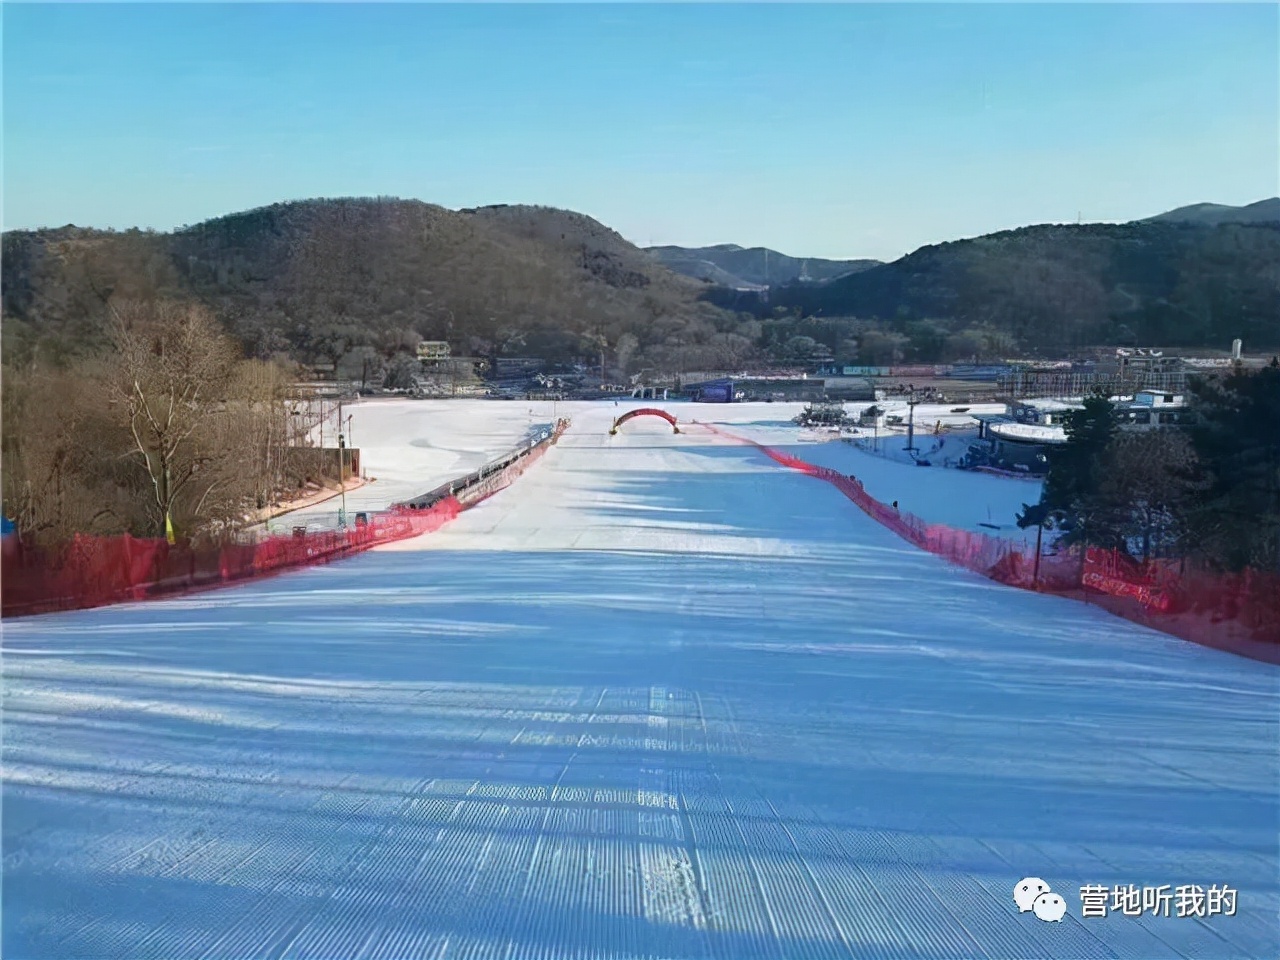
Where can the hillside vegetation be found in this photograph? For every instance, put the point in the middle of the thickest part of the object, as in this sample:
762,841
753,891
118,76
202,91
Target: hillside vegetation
1049,289
349,283
728,264
164,430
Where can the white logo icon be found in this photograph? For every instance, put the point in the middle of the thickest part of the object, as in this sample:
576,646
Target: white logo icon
1025,893
1033,894
1050,907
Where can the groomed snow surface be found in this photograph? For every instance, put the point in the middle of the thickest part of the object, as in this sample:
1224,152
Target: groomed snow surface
661,698
968,500
409,447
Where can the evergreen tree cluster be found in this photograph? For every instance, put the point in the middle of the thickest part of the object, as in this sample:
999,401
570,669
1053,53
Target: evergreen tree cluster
1210,492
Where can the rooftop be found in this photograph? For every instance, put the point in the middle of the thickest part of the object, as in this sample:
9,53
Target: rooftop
1026,432
1046,405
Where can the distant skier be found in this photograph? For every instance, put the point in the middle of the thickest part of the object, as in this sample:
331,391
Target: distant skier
895,505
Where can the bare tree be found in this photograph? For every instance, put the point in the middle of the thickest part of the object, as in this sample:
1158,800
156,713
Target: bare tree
244,446
62,471
171,365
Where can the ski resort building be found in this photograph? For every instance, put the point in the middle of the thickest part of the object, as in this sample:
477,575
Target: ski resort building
1043,412
1151,409
712,391
849,388
782,388
808,389
518,366
1019,439
433,350
1006,444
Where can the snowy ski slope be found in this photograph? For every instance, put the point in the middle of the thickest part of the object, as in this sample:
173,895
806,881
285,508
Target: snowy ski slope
661,698
408,447
963,499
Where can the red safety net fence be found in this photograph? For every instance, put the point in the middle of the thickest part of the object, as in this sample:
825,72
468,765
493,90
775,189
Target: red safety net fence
1235,612
95,571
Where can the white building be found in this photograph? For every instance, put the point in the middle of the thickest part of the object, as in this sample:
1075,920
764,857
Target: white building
1150,409
1043,412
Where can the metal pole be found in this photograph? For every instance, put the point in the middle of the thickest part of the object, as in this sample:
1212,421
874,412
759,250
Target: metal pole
911,421
342,469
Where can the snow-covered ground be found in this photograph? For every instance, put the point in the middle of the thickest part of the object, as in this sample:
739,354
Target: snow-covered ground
661,698
408,447
979,502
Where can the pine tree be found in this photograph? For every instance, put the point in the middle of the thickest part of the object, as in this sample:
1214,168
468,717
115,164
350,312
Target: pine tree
1077,470
1236,436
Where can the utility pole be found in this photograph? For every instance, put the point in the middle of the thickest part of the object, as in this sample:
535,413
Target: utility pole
911,421
342,469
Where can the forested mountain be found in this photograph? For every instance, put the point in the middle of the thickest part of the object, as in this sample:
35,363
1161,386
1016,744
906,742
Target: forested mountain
729,265
328,281
351,283
1052,288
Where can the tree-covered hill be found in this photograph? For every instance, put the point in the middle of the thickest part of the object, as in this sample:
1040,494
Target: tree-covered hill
352,283
1052,288
322,281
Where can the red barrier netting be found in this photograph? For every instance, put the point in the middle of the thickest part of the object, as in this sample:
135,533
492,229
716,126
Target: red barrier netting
1235,612
96,571
490,480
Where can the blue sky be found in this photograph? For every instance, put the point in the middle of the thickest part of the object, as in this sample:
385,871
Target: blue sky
826,130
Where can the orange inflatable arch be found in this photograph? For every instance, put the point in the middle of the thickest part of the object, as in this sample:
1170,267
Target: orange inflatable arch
644,412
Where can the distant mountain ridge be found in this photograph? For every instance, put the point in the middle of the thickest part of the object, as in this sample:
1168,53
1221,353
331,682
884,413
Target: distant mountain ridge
1211,214
354,282
747,268
1059,287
